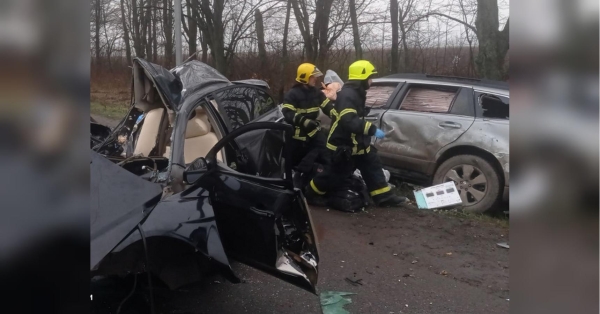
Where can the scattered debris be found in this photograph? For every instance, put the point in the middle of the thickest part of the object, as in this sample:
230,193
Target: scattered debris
406,275
444,273
503,245
218,282
333,302
370,272
371,243
395,254
327,209
437,196
449,254
414,262
343,262
355,283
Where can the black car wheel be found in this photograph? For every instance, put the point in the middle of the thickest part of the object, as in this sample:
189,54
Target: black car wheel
476,180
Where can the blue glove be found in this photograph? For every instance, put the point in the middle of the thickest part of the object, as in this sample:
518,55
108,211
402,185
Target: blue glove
379,134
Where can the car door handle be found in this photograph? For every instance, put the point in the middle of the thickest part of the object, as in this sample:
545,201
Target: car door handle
372,118
449,124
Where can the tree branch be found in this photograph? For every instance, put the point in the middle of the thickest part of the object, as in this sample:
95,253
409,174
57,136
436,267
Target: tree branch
453,19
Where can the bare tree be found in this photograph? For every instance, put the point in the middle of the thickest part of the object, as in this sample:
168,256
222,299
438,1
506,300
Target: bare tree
284,51
168,30
97,21
355,32
260,34
493,43
394,21
124,15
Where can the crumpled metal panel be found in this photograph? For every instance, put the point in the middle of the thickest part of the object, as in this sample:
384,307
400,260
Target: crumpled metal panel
167,84
198,79
119,200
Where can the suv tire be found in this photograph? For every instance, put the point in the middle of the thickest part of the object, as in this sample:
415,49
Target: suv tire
476,180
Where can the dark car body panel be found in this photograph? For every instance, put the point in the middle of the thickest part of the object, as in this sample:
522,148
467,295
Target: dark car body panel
119,201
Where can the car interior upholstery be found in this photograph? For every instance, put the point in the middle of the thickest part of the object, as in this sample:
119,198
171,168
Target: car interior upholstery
200,136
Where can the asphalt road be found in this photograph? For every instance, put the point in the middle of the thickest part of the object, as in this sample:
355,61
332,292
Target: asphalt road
410,261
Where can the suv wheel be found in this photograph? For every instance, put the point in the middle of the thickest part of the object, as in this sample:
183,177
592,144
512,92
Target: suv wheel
476,180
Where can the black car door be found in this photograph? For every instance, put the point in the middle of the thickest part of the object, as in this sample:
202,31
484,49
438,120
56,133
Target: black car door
262,221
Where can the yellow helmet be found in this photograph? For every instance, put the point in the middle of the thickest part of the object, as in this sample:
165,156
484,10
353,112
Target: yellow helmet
305,71
361,70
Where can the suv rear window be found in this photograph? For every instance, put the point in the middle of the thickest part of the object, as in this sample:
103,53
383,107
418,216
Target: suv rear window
429,99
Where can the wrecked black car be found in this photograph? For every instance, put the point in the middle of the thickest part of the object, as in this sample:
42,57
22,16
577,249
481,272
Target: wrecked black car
196,175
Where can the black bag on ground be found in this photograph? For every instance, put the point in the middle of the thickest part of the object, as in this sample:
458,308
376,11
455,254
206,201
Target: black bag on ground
346,200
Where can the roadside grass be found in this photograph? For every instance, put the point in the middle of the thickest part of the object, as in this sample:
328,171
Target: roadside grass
111,111
500,220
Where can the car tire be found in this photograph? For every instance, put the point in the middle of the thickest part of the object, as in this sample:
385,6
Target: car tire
471,171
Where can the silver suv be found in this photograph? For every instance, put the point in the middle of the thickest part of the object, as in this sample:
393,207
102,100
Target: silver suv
442,129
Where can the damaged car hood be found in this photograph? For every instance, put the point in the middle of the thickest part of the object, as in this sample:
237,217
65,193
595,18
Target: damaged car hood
119,201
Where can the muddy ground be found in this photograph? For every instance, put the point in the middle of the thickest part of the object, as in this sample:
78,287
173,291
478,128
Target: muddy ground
409,260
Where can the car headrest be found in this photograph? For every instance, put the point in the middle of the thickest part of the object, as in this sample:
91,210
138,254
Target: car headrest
197,126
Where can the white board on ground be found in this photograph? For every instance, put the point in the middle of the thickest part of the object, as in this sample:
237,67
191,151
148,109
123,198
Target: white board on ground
437,196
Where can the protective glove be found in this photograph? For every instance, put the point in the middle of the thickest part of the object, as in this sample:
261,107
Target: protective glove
310,125
379,134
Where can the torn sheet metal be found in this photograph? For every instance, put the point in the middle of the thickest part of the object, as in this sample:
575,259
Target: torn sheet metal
503,245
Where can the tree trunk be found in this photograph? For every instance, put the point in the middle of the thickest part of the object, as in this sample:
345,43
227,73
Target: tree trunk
97,18
192,29
407,67
168,29
493,44
355,32
260,33
394,17
138,19
204,45
154,27
147,36
323,15
125,32
284,52
304,26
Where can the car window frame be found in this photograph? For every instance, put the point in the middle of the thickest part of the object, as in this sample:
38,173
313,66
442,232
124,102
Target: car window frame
224,117
477,94
288,130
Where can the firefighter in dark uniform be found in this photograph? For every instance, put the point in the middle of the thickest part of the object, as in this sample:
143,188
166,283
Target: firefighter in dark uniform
301,106
349,142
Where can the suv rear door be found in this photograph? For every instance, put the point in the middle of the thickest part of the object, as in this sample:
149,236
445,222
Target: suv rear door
423,119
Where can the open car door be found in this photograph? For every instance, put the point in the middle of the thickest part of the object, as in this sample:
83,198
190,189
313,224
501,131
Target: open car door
262,221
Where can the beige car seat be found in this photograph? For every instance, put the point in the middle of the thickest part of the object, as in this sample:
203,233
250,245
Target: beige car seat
149,132
198,137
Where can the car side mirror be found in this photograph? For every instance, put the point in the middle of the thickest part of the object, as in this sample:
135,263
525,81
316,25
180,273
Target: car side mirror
195,171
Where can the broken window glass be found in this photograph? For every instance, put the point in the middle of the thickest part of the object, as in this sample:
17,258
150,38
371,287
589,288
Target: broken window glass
243,104
494,107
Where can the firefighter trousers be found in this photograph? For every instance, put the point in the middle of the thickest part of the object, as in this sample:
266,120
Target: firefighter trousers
341,168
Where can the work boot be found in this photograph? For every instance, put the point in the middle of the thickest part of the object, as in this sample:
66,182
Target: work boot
389,200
